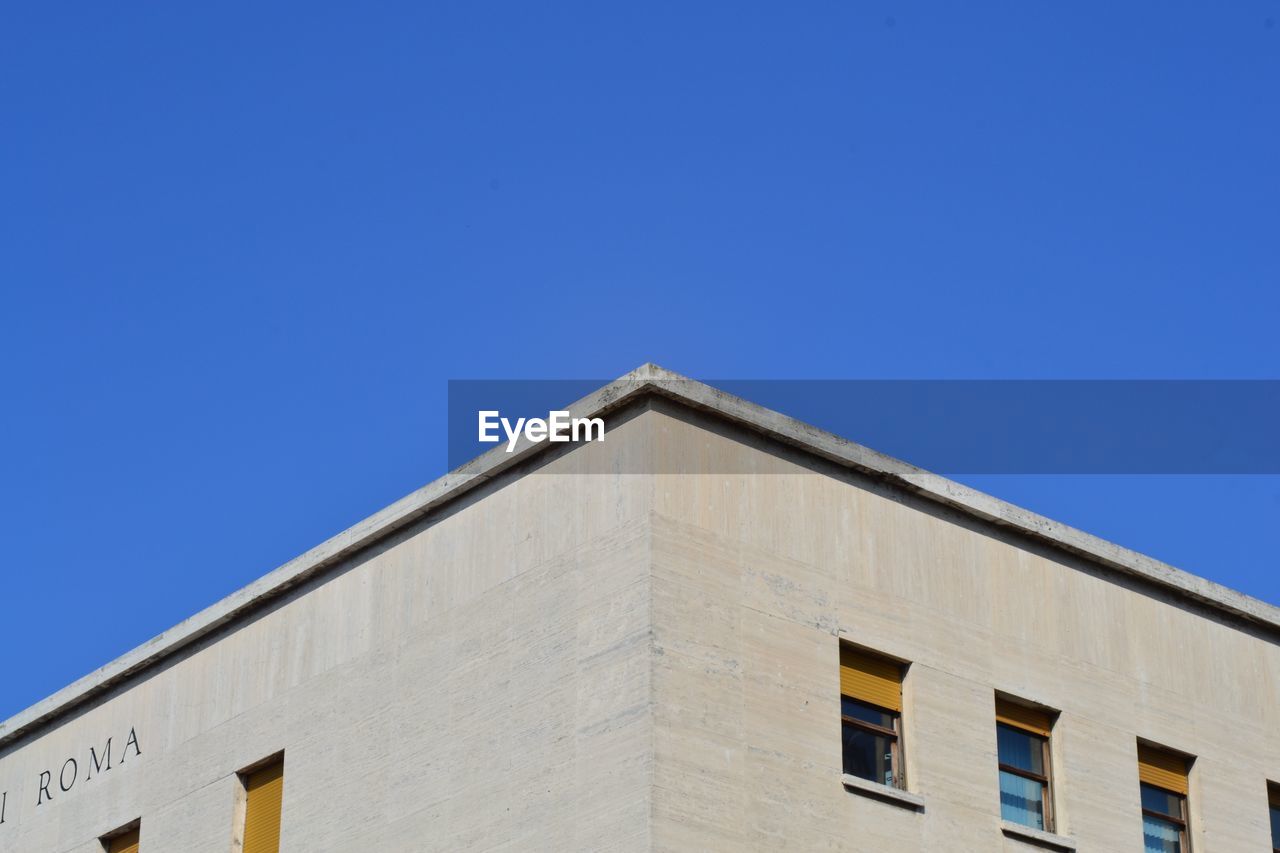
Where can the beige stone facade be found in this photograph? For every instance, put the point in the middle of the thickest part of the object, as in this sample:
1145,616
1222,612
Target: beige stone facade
633,645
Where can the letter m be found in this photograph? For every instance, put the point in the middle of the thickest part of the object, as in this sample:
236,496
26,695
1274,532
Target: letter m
97,764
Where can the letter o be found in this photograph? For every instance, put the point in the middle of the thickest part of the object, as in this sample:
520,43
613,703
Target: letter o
62,777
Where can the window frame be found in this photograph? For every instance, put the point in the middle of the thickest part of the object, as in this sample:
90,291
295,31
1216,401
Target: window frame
244,792
1037,721
894,735
1180,820
876,681
1167,771
1045,780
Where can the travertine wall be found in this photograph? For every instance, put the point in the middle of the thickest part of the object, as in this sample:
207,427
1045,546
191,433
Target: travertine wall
479,682
760,567
590,656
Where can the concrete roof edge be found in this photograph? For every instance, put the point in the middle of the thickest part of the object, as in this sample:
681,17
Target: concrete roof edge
976,503
648,378
308,565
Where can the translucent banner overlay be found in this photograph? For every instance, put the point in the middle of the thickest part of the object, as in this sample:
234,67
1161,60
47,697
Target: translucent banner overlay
971,426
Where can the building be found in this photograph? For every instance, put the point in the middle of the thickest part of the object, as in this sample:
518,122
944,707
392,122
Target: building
717,629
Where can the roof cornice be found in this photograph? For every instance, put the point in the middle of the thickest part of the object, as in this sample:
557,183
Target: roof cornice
644,380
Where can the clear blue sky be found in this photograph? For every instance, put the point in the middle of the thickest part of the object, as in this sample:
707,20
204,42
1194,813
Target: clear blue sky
244,245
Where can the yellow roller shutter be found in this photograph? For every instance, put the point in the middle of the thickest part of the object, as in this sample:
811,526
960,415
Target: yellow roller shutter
870,678
1021,717
264,789
126,843
1162,769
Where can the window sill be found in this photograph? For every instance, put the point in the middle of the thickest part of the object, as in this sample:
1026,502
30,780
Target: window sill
1036,836
895,796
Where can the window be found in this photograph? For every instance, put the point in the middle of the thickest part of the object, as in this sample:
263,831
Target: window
264,789
1273,800
1022,742
1163,777
125,841
871,716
